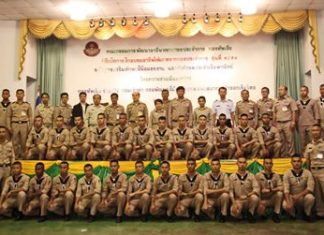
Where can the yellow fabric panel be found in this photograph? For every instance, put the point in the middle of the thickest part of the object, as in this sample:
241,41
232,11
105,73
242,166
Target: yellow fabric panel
313,33
61,32
271,26
291,21
167,27
23,31
43,28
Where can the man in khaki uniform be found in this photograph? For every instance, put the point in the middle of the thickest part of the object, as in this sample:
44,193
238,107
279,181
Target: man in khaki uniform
244,191
13,195
138,193
143,141
155,114
180,106
65,110
113,111
37,141
248,107
320,102
163,140
79,140
93,110
38,193
87,196
298,189
308,115
182,140
164,194
216,191
166,101
269,138
46,111
4,106
265,105
203,139
203,110
284,118
58,141
62,193
271,190
122,139
100,140
113,196
136,109
190,195
7,155
314,154
19,121
224,140
246,139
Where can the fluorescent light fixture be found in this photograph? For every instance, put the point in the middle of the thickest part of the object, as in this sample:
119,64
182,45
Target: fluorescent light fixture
248,7
79,9
161,10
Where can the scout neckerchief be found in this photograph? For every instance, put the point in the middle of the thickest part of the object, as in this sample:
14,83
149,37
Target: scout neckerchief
297,175
269,179
114,180
304,104
215,180
267,129
38,133
88,183
122,131
99,132
167,180
244,131
79,130
16,181
322,101
203,132
191,179
58,132
5,105
142,132
161,134
39,181
222,132
64,181
242,178
182,133
140,181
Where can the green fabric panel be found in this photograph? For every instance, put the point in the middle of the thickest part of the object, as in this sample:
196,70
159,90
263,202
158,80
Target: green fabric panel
254,167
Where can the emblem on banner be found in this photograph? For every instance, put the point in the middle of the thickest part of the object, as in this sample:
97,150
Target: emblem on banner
91,49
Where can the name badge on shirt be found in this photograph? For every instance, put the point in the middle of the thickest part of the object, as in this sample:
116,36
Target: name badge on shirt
319,156
140,113
23,113
117,116
269,110
251,111
63,186
284,109
15,185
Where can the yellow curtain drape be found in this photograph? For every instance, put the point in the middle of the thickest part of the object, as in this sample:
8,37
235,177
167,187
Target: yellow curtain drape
269,23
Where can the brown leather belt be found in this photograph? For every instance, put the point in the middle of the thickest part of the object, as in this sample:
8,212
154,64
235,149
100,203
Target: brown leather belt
4,165
19,122
317,168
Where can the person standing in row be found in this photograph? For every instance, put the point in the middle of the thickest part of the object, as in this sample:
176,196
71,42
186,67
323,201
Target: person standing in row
225,106
92,112
46,111
79,110
265,105
248,107
4,107
7,155
136,109
155,114
203,110
113,111
64,109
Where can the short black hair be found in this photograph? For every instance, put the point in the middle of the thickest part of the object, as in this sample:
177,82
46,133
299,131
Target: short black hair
191,160
202,115
165,90
64,163
5,90
59,116
96,95
40,164
63,94
158,101
296,155
180,88
82,93
17,163
20,90
215,160
222,88
114,94
202,97
317,125
139,162
114,161
222,115
165,162
265,88
44,94
123,114
141,116
162,118
87,165
265,114
244,115
101,114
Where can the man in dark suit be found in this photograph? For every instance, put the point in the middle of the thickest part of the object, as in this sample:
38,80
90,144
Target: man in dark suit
80,108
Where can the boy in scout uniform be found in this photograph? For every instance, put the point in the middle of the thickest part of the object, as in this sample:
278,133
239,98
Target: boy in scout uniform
64,109
203,110
155,114
19,122
308,115
244,191
58,141
13,195
62,193
248,107
138,193
284,118
163,140
38,193
190,195
46,111
100,140
182,140
4,106
113,111
113,196
314,155
79,140
37,141
320,102
298,189
265,105
93,110
269,138
202,138
135,109
7,155
164,194
143,141
271,190
122,139
87,196
216,191
224,140
246,139
180,106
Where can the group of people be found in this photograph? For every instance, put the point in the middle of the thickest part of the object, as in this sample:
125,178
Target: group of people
241,195
172,131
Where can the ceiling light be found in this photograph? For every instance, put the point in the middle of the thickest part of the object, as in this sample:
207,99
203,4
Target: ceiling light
184,19
112,22
229,18
240,17
134,21
92,23
217,19
161,9
206,18
193,18
124,21
146,21
79,10
248,7
101,23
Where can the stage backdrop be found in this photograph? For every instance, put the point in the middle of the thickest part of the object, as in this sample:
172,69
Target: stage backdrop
201,64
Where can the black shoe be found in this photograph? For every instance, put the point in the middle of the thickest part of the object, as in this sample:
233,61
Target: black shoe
42,219
19,216
144,218
196,218
222,218
292,217
91,218
319,217
309,219
67,217
119,219
170,219
263,217
251,218
275,218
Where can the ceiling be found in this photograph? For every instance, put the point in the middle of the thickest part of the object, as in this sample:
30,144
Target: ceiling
52,9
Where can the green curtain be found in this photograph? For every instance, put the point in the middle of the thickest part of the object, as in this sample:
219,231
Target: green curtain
50,67
289,66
